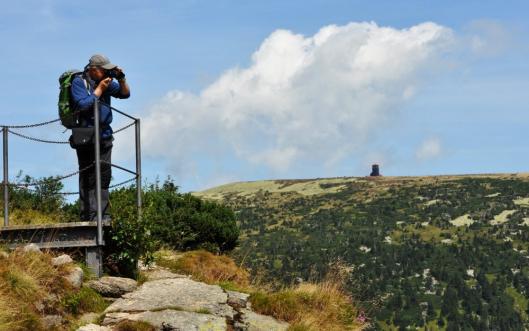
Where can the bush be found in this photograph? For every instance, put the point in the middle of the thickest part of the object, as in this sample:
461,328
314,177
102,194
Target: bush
182,221
169,219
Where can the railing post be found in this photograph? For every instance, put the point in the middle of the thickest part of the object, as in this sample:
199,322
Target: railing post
97,149
138,165
5,134
94,256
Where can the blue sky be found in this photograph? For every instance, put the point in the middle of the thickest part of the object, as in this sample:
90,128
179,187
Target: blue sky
465,110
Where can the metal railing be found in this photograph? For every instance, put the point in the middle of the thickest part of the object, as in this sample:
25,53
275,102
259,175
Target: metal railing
6,129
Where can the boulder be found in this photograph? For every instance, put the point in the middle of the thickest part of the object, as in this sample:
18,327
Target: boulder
75,277
93,327
61,260
4,255
170,319
237,299
175,293
31,248
113,287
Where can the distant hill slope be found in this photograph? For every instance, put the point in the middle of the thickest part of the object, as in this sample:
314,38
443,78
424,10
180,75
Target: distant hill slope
439,251
331,185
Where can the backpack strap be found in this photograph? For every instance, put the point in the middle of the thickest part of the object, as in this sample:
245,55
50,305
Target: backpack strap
76,112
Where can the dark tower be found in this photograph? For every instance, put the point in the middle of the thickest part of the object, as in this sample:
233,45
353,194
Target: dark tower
375,170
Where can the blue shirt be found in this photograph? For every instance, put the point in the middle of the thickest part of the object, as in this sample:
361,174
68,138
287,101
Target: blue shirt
83,99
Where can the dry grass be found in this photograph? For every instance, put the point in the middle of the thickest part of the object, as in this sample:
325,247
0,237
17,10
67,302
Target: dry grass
310,306
30,288
205,267
25,280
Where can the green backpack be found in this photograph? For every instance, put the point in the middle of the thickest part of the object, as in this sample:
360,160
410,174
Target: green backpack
67,113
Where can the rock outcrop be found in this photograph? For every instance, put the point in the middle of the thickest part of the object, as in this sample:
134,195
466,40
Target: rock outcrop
170,301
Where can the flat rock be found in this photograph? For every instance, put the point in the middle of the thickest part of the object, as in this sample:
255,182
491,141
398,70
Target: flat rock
159,273
113,287
170,319
62,259
258,322
175,293
75,277
93,327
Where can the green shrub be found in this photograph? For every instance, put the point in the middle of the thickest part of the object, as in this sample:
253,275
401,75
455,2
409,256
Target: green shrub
169,219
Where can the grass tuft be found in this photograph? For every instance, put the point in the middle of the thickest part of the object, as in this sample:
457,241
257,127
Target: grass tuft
205,266
310,306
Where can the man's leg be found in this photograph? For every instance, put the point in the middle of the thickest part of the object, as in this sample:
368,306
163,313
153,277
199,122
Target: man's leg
85,157
106,176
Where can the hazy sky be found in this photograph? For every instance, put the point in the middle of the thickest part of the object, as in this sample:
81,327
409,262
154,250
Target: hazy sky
248,90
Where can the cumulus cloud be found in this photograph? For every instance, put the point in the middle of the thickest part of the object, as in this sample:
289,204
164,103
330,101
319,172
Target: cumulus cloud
430,148
303,99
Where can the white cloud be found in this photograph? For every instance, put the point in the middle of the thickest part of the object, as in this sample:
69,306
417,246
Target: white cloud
303,99
430,148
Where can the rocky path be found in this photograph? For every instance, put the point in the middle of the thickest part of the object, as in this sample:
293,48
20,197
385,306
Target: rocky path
175,302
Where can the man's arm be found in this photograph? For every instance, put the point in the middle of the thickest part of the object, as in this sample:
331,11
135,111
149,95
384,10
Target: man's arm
124,88
120,89
81,98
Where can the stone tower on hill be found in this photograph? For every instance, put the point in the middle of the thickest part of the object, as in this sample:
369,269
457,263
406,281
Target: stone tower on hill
375,171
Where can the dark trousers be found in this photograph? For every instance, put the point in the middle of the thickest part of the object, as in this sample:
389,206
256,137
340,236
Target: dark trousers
87,180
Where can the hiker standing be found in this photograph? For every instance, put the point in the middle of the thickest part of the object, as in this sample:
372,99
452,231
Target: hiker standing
100,80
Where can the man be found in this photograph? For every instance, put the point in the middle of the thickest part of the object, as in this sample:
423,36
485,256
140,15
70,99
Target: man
96,83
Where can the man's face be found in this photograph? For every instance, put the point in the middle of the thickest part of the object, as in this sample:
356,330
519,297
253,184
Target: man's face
96,73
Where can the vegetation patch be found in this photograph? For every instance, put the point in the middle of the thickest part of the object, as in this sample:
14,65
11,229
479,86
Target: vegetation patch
502,217
463,220
523,202
85,300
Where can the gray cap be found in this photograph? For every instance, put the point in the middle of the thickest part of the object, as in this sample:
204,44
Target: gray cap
99,60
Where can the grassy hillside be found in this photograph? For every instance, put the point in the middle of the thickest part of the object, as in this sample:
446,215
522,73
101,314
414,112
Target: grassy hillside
443,252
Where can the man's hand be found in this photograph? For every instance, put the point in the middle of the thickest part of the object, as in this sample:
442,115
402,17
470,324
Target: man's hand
120,75
102,86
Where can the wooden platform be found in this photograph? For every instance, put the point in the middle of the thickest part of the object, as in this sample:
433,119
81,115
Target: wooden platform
58,236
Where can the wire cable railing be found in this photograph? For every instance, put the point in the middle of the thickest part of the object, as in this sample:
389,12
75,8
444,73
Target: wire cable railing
32,185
